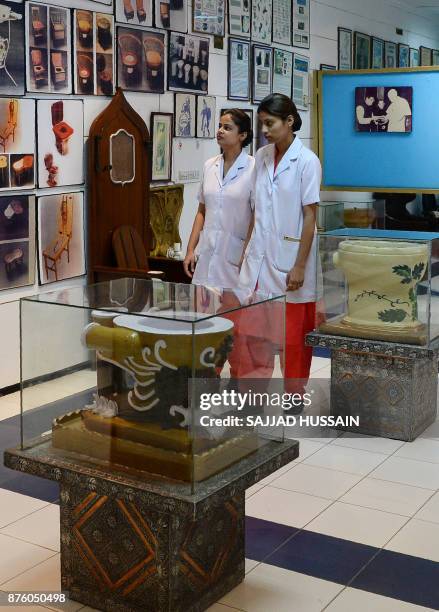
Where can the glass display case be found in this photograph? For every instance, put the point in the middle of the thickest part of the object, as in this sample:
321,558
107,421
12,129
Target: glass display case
367,214
380,285
330,216
114,374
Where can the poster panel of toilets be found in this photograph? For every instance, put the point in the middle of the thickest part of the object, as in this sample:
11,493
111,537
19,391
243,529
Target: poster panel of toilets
141,60
17,240
17,143
61,253
60,137
134,12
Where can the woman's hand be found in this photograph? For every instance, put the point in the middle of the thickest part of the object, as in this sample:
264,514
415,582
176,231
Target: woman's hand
295,278
189,263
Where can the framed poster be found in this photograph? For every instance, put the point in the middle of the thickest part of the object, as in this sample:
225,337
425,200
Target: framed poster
239,18
60,138
328,67
206,116
17,241
425,56
301,81
282,22
161,132
17,143
94,53
435,57
414,57
171,15
12,54
262,17
61,236
390,54
141,60
301,24
262,70
134,12
403,56
282,72
188,63
344,49
377,54
48,49
238,74
185,115
208,17
362,50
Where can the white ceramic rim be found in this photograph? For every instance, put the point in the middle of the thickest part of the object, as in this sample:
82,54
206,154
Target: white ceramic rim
214,325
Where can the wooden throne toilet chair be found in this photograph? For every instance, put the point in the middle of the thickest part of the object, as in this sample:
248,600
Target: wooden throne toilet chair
61,243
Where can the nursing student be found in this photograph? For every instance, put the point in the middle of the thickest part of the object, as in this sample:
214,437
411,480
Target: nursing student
280,257
224,218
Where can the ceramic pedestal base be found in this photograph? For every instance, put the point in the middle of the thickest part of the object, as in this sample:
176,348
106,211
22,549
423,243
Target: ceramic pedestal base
391,387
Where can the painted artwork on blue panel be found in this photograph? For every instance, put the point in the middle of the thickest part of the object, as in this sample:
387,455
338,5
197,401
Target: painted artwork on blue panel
383,109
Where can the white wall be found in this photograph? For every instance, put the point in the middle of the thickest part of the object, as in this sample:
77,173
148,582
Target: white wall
374,17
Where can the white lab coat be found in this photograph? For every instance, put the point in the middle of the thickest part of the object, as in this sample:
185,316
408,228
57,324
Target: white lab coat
228,215
278,198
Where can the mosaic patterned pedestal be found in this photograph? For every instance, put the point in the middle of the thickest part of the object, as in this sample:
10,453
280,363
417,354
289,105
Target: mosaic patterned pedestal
128,544
391,387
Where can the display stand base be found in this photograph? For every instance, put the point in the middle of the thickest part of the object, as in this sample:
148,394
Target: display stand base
128,544
391,387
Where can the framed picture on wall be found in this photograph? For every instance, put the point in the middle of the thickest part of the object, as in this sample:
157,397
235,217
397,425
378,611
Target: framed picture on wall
134,12
377,54
362,51
301,24
390,54
282,72
161,132
262,14
188,63
48,49
208,17
141,60
344,49
17,143
12,64
239,18
414,57
328,67
425,56
185,115
17,240
262,70
282,22
435,57
206,116
238,74
301,81
60,138
61,252
171,15
403,56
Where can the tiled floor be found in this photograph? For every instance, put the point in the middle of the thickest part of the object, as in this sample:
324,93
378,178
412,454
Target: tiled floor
351,526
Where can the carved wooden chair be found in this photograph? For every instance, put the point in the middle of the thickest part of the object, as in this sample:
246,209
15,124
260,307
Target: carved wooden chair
130,253
52,254
9,130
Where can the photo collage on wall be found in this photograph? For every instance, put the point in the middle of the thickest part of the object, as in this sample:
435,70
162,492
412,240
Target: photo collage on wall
48,49
141,60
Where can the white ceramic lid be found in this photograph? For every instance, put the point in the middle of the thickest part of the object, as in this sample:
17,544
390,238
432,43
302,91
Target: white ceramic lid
171,327
383,247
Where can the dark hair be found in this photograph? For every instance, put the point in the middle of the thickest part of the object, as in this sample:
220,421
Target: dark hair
370,92
242,121
281,106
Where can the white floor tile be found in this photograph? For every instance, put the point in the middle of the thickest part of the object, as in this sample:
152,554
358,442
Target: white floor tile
13,608
421,449
45,576
321,482
362,601
254,489
40,528
215,608
318,363
14,506
432,431
430,512
269,588
368,443
308,447
286,507
17,557
363,525
387,496
250,565
417,538
276,474
324,372
408,471
347,460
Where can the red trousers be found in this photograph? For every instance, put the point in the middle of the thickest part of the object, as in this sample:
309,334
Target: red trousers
258,337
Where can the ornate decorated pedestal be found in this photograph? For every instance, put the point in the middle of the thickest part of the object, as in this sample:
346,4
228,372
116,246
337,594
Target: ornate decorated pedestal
392,387
131,544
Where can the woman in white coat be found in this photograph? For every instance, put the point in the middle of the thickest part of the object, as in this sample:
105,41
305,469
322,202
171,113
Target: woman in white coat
280,257
224,217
